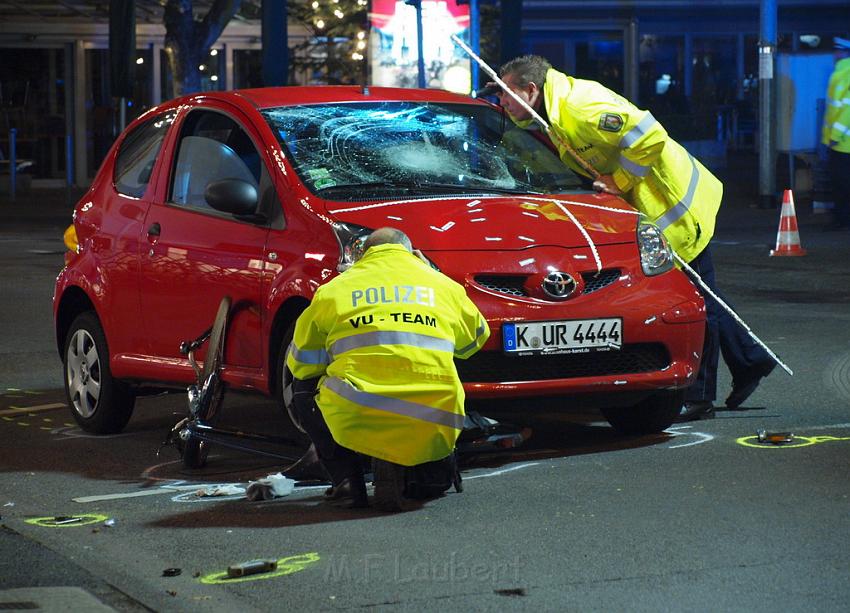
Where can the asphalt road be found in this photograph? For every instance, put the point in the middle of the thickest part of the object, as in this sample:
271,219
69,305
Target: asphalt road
580,518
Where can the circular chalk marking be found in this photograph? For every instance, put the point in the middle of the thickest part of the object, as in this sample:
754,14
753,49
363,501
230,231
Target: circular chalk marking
799,441
285,566
51,522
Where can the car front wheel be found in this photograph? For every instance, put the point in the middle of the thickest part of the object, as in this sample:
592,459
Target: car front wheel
650,416
99,403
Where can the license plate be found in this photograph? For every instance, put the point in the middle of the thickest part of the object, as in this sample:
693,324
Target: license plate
567,336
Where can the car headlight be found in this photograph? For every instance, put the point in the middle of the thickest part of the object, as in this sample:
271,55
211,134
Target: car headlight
350,238
655,254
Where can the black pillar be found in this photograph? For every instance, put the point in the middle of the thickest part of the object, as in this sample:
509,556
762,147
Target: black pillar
122,47
275,43
511,24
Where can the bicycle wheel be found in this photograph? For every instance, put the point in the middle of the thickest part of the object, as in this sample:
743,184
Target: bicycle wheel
211,393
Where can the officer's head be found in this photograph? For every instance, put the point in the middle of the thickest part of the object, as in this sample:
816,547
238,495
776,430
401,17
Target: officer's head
525,76
387,236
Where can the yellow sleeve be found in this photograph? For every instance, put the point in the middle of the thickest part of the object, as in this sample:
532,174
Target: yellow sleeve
307,356
640,142
472,330
836,126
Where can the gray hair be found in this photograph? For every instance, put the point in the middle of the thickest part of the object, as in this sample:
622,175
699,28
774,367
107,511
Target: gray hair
527,69
387,236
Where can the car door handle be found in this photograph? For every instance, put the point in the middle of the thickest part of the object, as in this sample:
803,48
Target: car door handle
155,229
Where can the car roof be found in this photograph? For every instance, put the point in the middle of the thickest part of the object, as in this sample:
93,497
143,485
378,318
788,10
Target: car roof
271,97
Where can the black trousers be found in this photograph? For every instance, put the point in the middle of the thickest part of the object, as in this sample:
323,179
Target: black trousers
340,462
839,174
722,335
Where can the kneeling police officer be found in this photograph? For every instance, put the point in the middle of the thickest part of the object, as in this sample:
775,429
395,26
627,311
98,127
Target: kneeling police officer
379,342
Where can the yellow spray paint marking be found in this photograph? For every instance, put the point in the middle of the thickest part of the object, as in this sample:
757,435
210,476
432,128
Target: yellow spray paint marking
285,566
799,441
69,521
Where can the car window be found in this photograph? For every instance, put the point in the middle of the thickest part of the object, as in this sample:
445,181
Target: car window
137,155
212,147
354,150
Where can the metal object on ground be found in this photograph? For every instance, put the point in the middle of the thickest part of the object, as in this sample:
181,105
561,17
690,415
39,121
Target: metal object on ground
251,567
777,438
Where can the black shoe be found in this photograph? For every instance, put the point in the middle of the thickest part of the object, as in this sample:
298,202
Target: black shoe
349,493
697,409
389,488
744,386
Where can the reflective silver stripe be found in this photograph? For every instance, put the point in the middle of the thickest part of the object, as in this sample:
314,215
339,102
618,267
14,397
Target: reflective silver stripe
474,343
639,130
394,405
840,127
370,339
314,356
675,214
633,167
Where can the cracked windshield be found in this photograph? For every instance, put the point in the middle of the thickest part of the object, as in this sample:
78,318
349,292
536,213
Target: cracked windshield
391,149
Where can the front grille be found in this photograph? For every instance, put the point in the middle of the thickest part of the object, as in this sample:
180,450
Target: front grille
495,366
596,281
504,284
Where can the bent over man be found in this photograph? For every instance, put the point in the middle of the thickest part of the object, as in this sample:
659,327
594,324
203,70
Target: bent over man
640,162
379,342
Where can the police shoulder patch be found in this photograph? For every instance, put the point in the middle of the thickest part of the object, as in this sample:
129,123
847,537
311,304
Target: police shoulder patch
610,122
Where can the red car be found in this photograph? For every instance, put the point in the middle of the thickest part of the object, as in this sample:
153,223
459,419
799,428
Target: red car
264,194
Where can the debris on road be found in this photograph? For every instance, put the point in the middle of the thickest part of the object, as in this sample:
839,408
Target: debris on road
272,486
221,490
251,567
777,438
172,572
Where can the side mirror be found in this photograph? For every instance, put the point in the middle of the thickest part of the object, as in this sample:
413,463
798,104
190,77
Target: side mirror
232,196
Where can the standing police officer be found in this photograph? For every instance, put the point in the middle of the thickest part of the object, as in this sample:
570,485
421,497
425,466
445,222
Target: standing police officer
836,134
655,174
379,342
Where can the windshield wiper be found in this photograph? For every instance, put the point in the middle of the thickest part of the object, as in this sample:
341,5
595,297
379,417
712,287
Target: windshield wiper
368,185
418,186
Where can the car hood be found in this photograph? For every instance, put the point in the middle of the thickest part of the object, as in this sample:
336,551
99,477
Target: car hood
498,223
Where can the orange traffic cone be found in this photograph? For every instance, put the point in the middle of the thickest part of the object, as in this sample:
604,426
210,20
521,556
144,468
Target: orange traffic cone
788,238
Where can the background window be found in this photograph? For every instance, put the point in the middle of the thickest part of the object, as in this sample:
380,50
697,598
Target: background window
137,156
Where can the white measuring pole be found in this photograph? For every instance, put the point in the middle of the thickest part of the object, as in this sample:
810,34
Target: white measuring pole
731,312
534,114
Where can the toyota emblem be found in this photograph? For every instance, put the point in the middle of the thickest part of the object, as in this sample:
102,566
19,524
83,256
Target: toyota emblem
559,285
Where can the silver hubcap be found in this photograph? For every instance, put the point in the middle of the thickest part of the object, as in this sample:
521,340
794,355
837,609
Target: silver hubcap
82,369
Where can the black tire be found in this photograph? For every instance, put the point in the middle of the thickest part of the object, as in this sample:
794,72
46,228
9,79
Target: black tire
285,378
194,452
650,416
99,403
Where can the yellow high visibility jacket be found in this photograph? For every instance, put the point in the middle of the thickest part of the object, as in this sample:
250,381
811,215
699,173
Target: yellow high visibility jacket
836,119
655,173
383,336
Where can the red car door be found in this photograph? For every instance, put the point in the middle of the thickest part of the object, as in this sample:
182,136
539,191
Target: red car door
196,255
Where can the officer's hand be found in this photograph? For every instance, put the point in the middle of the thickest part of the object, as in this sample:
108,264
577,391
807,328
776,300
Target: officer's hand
605,183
